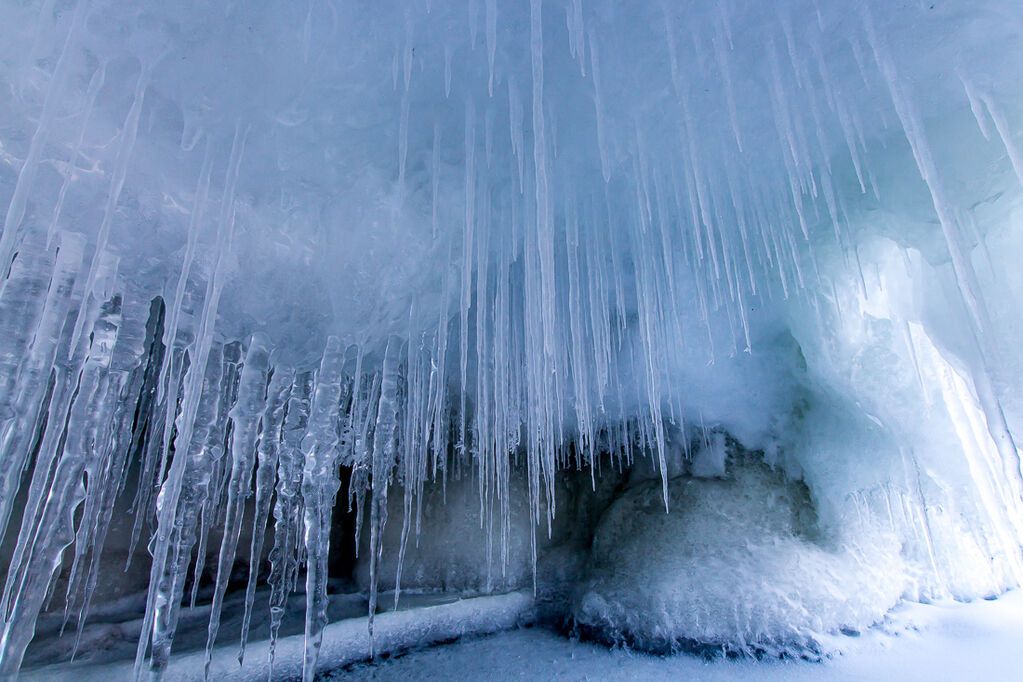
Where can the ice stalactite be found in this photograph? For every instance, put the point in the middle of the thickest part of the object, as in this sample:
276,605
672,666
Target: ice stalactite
115,349
966,278
196,464
189,476
270,437
104,476
23,391
320,484
30,167
244,417
285,557
384,457
238,272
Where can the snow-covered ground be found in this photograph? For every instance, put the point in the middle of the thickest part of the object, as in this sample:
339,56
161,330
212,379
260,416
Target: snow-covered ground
980,640
462,296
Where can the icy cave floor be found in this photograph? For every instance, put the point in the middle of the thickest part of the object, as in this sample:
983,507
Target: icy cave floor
978,641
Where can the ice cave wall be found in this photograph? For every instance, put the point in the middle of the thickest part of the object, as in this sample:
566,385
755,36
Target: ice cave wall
275,264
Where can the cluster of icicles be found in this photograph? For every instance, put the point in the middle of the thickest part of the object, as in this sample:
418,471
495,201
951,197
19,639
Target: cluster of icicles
99,373
204,417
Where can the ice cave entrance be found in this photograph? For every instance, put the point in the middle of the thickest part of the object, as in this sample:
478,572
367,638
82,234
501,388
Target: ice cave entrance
642,339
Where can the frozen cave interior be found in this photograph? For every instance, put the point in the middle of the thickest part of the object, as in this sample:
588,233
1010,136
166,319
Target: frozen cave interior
683,326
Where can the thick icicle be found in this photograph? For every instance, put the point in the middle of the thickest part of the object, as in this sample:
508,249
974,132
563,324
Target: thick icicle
161,608
195,459
320,484
245,423
284,558
87,443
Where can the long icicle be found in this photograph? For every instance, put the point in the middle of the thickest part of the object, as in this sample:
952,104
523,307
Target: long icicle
245,422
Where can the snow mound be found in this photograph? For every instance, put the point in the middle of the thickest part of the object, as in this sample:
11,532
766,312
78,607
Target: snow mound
737,566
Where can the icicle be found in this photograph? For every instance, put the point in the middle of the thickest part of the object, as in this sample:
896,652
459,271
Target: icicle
515,129
177,335
284,558
62,396
22,389
103,470
447,71
961,264
270,441
491,21
546,375
1005,133
213,506
319,488
598,104
175,542
161,611
384,455
127,434
117,178
95,83
975,106
474,16
468,261
86,440
724,66
244,421
405,104
26,177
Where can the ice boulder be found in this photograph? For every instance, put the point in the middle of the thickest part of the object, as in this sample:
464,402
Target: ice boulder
737,565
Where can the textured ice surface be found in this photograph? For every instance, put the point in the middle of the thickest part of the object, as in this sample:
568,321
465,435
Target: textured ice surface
739,566
299,264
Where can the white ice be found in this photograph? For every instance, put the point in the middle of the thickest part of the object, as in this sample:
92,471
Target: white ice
308,299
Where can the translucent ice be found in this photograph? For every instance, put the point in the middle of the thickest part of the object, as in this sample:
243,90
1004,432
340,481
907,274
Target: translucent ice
315,260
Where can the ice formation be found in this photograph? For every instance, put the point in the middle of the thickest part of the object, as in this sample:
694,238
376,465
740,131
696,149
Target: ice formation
265,264
725,579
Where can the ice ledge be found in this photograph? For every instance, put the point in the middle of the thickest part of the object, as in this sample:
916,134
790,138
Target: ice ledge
344,643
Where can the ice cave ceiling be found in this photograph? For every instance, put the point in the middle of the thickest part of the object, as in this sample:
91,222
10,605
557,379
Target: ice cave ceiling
324,299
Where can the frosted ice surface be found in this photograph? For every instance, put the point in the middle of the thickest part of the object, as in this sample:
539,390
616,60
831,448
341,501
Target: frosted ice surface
318,256
725,579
